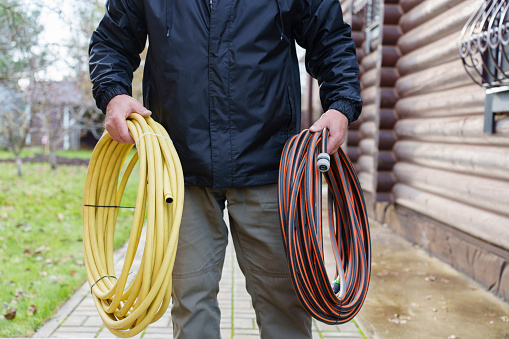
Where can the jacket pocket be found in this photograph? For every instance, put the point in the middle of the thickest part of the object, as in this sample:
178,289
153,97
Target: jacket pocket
146,90
290,110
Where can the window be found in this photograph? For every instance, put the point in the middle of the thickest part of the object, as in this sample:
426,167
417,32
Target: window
370,11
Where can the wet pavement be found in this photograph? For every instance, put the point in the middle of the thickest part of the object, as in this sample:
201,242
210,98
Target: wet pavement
414,295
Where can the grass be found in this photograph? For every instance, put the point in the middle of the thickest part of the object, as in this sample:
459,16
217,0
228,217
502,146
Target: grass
31,151
41,249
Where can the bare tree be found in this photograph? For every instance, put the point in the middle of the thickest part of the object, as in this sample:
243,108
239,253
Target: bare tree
61,112
20,60
14,124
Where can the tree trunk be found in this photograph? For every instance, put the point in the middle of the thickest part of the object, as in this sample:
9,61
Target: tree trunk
19,165
52,155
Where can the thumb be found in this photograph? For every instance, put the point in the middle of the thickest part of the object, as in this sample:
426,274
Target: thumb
319,125
140,109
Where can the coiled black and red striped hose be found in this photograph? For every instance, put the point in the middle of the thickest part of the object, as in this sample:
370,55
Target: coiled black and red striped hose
300,208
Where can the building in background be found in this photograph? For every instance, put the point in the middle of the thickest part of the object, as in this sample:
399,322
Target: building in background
432,145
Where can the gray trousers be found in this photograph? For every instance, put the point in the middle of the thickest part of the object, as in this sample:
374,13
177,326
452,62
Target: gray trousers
254,224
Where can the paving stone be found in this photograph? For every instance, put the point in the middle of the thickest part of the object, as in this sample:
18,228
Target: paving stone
226,333
243,304
226,323
352,335
77,329
74,321
164,322
239,332
243,313
158,331
248,323
93,321
83,307
348,327
88,302
81,335
85,313
105,334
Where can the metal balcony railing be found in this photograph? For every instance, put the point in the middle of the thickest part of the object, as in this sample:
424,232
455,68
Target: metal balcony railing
484,49
484,44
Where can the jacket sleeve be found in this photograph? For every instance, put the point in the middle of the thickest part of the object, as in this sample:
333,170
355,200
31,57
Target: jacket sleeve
115,49
330,54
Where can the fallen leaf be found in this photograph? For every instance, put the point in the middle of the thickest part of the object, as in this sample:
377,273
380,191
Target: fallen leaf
39,250
27,251
32,309
73,273
19,294
430,277
10,313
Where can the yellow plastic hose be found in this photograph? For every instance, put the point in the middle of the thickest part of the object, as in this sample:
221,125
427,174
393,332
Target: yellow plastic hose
127,311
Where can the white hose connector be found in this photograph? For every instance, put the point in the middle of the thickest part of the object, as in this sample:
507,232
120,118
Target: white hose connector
323,162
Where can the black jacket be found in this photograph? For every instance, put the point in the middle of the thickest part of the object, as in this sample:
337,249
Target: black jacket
222,76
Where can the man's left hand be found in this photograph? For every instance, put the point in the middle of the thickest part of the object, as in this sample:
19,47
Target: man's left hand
337,124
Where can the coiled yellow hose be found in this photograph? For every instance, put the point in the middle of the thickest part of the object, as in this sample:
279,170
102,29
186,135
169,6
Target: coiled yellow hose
127,311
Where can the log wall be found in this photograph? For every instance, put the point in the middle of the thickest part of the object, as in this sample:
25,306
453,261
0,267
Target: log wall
424,163
452,180
371,139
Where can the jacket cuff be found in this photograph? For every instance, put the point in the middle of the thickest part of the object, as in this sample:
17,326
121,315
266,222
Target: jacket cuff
104,96
350,108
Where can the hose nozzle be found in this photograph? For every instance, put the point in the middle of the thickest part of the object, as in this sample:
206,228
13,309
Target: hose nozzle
323,162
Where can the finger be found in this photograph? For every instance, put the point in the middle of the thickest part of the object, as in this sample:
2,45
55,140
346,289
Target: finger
319,125
117,128
112,130
140,109
333,143
123,132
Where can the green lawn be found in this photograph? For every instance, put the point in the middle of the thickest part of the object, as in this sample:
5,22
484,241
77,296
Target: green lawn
34,150
41,255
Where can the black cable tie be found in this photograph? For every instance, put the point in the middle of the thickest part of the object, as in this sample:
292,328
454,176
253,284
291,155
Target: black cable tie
112,206
101,278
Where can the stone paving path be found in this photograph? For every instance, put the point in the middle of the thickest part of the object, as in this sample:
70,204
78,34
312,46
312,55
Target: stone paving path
78,318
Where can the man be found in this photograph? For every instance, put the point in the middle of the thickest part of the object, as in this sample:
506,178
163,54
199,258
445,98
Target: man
222,77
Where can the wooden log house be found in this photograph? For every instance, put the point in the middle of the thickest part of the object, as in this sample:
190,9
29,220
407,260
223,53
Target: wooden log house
427,167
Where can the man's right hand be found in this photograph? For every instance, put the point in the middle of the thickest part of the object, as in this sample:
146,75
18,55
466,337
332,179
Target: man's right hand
118,110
